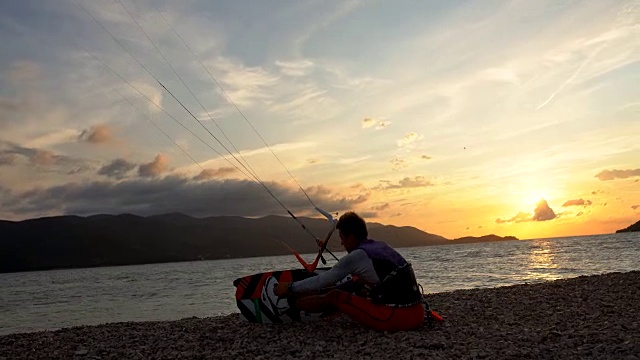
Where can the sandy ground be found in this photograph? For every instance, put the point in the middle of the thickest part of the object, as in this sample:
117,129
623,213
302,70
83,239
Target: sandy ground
589,317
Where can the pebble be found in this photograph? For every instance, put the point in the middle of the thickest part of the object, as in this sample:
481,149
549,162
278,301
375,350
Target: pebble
529,321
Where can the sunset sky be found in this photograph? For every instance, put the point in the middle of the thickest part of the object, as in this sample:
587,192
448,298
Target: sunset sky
456,117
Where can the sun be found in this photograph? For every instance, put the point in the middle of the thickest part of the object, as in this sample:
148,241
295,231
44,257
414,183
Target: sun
533,198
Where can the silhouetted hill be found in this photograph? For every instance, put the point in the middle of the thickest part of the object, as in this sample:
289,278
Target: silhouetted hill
103,240
485,238
631,228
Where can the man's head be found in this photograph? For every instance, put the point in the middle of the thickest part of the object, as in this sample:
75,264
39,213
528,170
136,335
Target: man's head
352,230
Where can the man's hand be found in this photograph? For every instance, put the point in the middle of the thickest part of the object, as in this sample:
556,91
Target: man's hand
282,289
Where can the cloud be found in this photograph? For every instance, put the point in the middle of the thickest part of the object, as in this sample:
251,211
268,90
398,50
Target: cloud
380,207
243,84
500,74
117,169
53,138
7,159
43,157
336,200
578,202
96,134
606,175
154,168
520,217
409,139
398,163
374,123
295,68
425,157
208,174
407,183
542,212
40,157
368,214
634,207
147,196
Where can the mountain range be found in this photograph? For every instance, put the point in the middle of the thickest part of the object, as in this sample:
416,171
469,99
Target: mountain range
107,240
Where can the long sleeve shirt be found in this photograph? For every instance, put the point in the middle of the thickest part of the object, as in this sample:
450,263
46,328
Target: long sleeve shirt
356,262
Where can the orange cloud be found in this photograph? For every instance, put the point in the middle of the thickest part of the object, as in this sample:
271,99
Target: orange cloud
542,212
578,202
407,182
154,168
520,217
96,135
43,157
607,175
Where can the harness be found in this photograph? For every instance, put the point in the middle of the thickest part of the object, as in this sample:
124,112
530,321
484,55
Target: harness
398,285
399,288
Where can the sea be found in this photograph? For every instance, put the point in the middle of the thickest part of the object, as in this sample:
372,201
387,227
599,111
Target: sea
48,300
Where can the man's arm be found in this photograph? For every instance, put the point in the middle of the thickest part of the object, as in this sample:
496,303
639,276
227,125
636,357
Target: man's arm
356,262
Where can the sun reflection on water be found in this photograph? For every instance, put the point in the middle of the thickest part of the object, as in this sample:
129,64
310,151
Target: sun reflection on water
542,261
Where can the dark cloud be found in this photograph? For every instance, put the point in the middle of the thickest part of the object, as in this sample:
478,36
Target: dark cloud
7,159
208,174
35,156
425,157
96,135
338,201
173,194
542,212
381,207
155,168
407,182
596,192
368,214
117,169
578,202
607,175
634,207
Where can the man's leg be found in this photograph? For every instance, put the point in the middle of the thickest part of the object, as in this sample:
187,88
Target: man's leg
378,317
314,303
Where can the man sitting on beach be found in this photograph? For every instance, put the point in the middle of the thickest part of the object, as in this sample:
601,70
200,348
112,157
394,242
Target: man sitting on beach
383,294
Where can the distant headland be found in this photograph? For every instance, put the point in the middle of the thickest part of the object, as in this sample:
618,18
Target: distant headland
106,240
631,228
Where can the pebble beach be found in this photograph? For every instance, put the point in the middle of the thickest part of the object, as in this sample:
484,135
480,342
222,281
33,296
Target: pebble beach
588,317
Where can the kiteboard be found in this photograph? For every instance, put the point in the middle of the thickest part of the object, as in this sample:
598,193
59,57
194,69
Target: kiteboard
258,303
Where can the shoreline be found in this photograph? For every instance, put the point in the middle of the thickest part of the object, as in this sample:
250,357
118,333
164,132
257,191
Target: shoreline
595,316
